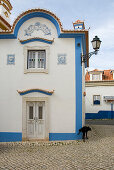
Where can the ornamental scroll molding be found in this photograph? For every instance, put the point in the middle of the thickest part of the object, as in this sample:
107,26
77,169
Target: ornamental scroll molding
36,27
24,92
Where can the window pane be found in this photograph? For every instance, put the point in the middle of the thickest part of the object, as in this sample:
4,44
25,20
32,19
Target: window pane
31,59
40,112
30,112
96,99
41,59
95,77
36,59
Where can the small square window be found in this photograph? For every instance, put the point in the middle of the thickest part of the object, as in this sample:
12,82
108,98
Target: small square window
96,99
95,77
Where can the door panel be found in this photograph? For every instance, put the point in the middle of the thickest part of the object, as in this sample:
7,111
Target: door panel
36,120
30,119
30,129
41,123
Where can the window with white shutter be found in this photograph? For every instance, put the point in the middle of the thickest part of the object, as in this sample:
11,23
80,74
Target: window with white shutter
36,59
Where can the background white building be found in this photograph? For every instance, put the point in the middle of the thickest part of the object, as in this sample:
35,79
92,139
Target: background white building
41,92
100,94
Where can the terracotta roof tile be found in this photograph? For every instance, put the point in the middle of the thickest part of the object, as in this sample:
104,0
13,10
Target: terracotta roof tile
79,21
96,70
106,75
6,23
87,76
8,4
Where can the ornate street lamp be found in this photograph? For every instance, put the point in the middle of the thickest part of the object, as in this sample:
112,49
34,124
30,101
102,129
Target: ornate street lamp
96,45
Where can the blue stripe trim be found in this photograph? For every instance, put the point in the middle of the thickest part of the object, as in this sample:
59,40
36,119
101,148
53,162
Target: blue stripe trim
10,137
61,35
100,115
32,91
78,82
38,39
7,36
78,24
71,35
64,136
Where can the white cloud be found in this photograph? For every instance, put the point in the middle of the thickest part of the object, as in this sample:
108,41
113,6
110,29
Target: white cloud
106,34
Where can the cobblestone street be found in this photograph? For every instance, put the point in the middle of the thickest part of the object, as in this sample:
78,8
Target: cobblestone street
94,154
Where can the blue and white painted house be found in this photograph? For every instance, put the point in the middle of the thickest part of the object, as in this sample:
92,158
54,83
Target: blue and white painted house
41,94
99,94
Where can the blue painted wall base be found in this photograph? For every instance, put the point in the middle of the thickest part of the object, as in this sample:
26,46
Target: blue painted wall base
10,137
16,137
100,115
64,136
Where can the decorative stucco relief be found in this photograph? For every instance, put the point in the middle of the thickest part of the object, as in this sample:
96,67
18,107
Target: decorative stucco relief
37,26
11,59
62,59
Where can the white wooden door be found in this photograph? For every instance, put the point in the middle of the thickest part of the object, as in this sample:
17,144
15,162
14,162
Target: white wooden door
36,120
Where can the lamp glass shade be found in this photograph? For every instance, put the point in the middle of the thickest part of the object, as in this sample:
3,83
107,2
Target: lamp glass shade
96,43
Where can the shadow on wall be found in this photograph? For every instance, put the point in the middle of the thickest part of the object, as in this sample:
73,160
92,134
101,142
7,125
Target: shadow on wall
100,115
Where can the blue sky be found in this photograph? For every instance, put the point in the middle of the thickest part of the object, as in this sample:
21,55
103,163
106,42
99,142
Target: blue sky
97,14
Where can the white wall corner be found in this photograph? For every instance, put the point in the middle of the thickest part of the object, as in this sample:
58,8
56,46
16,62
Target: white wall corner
83,96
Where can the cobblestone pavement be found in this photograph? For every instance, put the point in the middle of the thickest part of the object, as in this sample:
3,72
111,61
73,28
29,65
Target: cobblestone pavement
97,153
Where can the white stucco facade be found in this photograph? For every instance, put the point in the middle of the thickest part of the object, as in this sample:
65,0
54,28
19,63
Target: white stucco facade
58,78
51,90
102,91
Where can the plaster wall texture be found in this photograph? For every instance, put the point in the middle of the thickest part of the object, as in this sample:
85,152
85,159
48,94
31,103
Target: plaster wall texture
60,78
98,90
